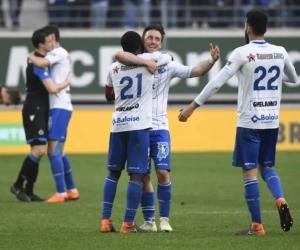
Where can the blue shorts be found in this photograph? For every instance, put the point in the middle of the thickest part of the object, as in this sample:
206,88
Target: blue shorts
255,146
130,146
160,149
58,124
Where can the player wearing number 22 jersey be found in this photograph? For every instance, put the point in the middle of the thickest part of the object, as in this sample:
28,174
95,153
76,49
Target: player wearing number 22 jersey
261,68
129,139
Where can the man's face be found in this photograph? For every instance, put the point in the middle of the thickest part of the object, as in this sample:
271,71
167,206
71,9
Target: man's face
5,98
47,46
152,41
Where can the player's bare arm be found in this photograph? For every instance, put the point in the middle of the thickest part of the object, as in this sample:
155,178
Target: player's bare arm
202,68
53,87
109,94
129,59
212,87
41,62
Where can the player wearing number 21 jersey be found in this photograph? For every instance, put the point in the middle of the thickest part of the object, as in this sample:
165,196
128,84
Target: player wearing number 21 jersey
129,139
261,68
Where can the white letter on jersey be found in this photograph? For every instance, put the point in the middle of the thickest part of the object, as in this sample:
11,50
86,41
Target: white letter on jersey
17,64
294,57
106,58
86,59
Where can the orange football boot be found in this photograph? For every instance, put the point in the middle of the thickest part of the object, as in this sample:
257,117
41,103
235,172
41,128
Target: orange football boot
107,226
73,195
57,198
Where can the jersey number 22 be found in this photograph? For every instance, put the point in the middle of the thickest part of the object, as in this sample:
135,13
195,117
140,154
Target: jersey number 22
263,71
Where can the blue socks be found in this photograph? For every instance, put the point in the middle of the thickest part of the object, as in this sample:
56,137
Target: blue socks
57,168
134,195
69,180
270,176
252,197
109,193
164,194
147,205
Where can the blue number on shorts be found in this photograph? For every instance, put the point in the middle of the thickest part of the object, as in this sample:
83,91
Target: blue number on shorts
263,71
129,81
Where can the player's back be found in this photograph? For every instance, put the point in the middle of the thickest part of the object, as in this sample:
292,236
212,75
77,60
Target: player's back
260,84
36,93
60,68
133,97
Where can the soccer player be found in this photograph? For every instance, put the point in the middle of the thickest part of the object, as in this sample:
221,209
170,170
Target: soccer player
131,87
39,84
261,67
59,117
153,36
10,96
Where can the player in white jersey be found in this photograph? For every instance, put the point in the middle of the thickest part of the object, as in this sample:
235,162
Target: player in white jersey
261,67
59,116
131,88
159,135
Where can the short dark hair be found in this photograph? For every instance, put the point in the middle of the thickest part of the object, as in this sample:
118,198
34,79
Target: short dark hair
258,21
38,36
14,95
51,29
157,27
131,42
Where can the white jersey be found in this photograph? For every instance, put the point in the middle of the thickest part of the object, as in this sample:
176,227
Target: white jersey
133,94
261,67
161,86
60,68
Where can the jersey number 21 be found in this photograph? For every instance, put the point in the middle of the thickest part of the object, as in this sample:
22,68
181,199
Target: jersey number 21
129,81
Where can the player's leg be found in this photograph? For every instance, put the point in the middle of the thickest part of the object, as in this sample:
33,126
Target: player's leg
72,192
35,127
266,162
137,166
56,130
148,202
246,156
160,153
115,165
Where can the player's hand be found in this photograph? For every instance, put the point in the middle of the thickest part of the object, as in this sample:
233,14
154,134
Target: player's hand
185,114
214,51
151,66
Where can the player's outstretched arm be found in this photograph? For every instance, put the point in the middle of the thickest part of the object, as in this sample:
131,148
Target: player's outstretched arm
41,62
202,68
53,87
228,71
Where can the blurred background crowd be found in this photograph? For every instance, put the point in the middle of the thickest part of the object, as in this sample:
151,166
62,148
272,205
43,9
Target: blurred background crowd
26,14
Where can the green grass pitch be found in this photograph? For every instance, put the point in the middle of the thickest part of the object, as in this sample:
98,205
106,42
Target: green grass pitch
208,206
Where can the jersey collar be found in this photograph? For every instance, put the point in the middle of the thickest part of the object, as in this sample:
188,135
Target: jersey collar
258,42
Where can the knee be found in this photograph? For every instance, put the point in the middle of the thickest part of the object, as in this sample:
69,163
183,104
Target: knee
163,176
115,174
39,151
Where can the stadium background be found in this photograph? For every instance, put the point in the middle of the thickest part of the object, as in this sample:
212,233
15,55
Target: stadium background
187,39
208,204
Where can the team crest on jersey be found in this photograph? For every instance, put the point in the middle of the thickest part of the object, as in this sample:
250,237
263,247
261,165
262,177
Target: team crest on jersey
116,69
163,150
251,57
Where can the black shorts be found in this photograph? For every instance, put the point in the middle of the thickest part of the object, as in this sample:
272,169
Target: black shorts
35,123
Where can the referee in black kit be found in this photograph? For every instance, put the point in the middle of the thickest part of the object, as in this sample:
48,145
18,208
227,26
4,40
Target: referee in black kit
39,84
